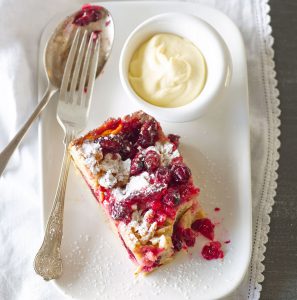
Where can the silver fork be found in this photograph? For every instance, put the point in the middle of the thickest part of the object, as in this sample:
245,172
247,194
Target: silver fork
72,114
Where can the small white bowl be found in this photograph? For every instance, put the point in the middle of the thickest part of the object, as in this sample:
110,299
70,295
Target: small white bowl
206,39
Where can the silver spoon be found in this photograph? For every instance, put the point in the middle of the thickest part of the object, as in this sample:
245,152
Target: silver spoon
92,18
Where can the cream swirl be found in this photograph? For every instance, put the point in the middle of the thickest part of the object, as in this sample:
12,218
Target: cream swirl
167,70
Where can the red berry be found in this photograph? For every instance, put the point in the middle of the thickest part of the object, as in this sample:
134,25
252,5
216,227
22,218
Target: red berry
131,128
172,198
187,190
212,251
156,205
148,134
151,160
205,227
137,164
163,175
110,144
180,173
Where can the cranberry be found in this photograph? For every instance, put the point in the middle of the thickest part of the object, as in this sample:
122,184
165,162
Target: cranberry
127,150
88,14
120,211
180,173
156,205
131,128
148,134
174,139
217,209
137,164
110,144
187,190
205,227
212,251
189,237
152,160
163,175
172,198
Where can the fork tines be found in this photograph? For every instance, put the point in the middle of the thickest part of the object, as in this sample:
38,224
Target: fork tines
81,67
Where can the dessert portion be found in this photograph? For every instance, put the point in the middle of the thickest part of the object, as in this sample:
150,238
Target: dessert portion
139,176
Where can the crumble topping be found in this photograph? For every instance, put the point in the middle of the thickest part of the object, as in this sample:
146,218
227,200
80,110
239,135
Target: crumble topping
110,167
89,148
114,169
161,241
108,180
139,230
92,154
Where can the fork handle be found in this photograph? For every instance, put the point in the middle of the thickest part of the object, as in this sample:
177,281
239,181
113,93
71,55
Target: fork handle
48,262
9,149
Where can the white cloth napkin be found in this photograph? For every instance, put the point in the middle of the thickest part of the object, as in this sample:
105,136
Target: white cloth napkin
21,23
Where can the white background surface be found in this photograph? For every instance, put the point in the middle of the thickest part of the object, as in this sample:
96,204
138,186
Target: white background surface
20,204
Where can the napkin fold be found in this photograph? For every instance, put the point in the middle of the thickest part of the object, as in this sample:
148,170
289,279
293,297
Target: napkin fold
21,24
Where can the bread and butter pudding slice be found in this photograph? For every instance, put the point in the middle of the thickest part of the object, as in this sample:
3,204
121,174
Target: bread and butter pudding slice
138,174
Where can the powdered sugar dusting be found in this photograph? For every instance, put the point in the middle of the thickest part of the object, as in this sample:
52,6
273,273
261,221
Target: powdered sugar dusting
92,154
108,180
138,185
89,148
166,152
178,280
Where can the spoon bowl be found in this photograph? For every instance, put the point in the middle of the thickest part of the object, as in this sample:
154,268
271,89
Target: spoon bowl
93,18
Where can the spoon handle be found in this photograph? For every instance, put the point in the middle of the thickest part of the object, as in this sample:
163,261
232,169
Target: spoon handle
48,262
9,149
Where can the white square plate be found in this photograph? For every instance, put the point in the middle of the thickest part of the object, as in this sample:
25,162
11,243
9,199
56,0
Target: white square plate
216,148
